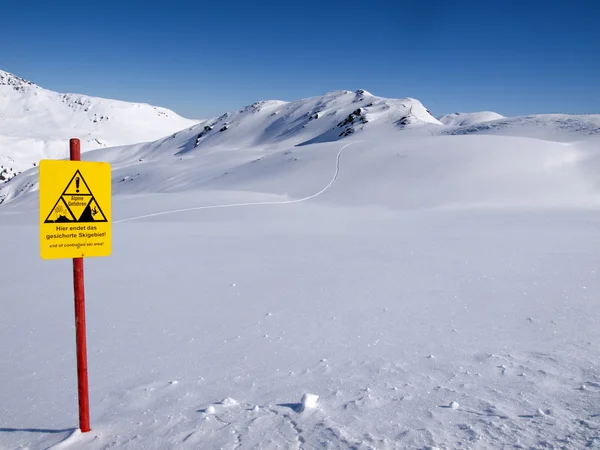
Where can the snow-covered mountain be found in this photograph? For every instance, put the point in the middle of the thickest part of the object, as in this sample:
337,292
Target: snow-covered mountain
552,127
252,145
36,123
462,119
324,118
248,149
269,124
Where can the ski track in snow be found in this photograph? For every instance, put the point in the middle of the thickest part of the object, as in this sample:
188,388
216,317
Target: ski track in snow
232,205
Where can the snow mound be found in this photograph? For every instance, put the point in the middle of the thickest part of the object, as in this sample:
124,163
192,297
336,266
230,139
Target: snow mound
309,401
463,119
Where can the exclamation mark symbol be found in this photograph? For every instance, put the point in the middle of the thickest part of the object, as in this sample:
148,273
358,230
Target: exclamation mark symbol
77,184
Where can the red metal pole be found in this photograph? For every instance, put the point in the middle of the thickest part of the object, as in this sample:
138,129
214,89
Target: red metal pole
80,333
75,150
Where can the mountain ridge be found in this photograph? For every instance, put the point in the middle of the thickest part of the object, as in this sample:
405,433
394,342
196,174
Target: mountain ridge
36,123
321,118
258,127
469,118
9,79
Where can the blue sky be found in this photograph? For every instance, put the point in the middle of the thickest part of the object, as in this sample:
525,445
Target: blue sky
204,58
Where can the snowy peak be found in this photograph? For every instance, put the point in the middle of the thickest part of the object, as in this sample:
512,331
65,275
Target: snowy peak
36,123
472,118
9,79
324,118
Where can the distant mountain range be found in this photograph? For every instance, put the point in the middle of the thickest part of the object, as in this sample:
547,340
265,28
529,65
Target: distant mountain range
36,123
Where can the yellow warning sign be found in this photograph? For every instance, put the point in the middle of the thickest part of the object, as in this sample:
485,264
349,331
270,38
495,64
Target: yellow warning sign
75,208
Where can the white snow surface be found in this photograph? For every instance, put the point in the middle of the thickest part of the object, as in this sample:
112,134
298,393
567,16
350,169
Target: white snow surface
36,123
549,127
472,118
434,291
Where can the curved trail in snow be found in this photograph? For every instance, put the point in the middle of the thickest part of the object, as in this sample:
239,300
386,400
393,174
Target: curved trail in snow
231,205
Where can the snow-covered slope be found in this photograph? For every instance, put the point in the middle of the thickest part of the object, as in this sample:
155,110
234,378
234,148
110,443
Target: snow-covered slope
552,127
435,291
462,119
36,123
255,147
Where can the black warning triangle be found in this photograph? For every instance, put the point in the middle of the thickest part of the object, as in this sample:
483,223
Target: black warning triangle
76,204
77,186
60,213
92,213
